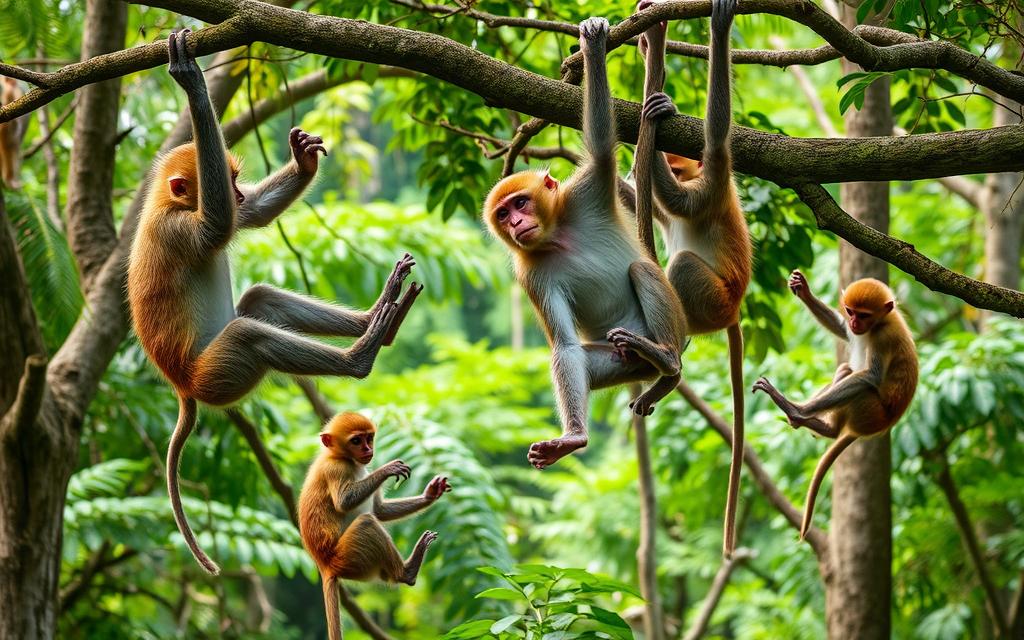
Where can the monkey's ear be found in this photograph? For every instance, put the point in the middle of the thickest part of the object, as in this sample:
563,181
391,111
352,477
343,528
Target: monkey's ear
549,182
326,439
178,185
888,306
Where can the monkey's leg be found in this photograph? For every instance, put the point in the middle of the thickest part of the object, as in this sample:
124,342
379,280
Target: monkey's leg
643,404
366,551
300,313
663,316
793,413
842,371
708,304
246,349
412,565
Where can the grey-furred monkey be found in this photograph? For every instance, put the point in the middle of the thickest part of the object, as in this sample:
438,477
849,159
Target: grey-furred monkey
179,281
702,222
610,315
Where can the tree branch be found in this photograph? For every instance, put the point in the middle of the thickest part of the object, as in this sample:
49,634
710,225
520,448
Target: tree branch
970,539
502,85
815,537
26,406
252,436
721,580
902,255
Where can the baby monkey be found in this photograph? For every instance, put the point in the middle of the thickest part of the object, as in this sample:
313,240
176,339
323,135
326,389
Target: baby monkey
871,390
341,510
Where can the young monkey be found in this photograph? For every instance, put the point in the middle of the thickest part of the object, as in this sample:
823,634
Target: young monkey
341,510
871,390
608,310
179,281
702,221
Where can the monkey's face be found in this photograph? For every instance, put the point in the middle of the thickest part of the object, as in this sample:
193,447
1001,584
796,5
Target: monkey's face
518,210
684,169
866,302
360,446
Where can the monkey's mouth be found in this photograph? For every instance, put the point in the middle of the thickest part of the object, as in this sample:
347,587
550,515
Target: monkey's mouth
365,459
529,231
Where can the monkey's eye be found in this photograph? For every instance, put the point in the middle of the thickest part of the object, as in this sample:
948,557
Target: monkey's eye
355,441
849,312
502,214
520,202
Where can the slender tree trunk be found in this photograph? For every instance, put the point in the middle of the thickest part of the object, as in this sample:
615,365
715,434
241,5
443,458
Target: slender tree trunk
858,587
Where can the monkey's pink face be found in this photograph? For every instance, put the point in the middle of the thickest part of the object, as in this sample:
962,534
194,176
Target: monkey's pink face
860,321
516,217
360,446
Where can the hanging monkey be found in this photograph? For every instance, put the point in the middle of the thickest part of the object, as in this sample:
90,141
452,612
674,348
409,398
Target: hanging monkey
179,281
702,222
610,315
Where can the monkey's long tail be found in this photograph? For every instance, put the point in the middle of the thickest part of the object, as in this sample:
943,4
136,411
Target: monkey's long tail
182,430
839,446
735,336
330,586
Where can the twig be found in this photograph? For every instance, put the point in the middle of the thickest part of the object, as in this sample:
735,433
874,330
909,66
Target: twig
721,580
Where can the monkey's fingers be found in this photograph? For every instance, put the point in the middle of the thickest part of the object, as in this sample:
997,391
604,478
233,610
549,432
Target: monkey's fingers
172,48
404,305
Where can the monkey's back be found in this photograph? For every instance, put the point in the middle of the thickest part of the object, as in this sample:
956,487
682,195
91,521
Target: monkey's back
320,524
899,382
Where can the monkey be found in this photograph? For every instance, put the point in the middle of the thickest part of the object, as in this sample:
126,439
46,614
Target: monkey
608,310
871,390
341,509
179,280
702,222
11,135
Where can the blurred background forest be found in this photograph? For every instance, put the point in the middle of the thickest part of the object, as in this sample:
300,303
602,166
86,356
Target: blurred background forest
466,387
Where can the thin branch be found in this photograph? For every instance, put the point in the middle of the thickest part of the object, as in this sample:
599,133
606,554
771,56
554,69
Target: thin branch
721,580
996,613
815,537
902,255
810,92
646,551
252,436
1017,609
47,135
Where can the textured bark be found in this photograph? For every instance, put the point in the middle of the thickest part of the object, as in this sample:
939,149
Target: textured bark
858,582
90,212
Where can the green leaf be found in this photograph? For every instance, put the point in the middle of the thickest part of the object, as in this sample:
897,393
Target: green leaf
505,623
500,593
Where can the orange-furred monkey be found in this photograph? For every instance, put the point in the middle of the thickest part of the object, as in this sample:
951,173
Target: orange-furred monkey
871,390
179,281
11,135
341,510
703,226
610,315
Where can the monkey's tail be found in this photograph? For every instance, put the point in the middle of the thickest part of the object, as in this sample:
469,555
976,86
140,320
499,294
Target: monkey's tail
182,430
330,585
735,335
842,442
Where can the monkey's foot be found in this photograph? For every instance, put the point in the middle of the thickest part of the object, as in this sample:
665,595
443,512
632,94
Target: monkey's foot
404,305
412,567
643,405
793,415
546,453
398,275
593,30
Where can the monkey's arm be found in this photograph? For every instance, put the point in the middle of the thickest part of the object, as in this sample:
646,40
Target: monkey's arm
351,495
627,196
826,315
598,176
216,197
268,199
568,364
387,510
717,168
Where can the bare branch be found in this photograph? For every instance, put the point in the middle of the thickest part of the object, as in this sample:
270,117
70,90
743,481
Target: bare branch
721,580
22,415
815,537
902,255
252,436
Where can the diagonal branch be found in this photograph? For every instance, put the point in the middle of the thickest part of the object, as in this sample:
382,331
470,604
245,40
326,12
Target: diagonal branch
721,580
815,537
902,255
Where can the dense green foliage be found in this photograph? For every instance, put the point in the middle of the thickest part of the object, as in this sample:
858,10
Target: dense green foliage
453,397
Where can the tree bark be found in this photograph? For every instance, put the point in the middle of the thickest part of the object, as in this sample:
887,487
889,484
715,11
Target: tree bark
858,582
90,209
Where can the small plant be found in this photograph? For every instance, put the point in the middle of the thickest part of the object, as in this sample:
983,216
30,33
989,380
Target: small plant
556,604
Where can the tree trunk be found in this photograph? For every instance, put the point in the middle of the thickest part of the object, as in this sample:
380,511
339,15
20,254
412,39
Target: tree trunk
858,584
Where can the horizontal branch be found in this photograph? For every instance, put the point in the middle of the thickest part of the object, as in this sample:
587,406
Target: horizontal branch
902,255
771,156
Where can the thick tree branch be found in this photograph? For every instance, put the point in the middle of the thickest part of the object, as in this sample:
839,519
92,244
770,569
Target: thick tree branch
502,85
904,256
815,537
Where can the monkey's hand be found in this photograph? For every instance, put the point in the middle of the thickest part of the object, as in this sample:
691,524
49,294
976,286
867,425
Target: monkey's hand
659,30
398,275
798,285
304,149
658,105
722,13
436,488
183,67
593,35
396,469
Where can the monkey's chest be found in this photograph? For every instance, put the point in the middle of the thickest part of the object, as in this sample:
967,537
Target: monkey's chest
602,296
680,235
